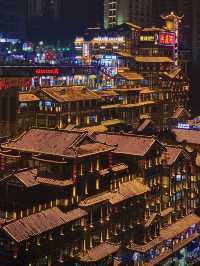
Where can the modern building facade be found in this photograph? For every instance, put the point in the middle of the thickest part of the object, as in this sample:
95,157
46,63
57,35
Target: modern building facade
117,12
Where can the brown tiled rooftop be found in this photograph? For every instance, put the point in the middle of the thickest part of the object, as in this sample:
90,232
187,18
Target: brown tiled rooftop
173,73
126,190
54,181
169,232
170,252
28,97
172,154
128,144
153,59
144,124
99,252
130,75
188,136
181,112
69,94
26,176
39,223
107,93
55,142
92,129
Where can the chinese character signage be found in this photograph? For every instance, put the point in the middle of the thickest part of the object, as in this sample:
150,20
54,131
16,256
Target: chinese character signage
147,38
167,38
6,83
46,71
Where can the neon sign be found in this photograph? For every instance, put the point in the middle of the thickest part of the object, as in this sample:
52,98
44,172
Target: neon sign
167,38
147,38
49,71
6,83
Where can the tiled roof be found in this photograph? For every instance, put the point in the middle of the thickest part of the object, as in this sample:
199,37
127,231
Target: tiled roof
126,190
189,136
68,94
39,223
106,93
147,90
128,144
54,182
112,122
56,142
171,154
115,168
129,75
177,247
88,149
26,176
145,124
173,73
99,252
152,29
166,211
29,178
92,129
181,112
153,59
170,232
28,97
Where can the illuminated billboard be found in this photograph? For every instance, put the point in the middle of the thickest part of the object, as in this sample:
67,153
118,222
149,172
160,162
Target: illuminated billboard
166,38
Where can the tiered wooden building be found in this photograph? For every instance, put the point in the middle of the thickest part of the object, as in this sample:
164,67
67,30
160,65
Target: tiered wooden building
73,198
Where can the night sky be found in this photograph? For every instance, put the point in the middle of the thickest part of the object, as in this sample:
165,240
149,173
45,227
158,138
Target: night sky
76,16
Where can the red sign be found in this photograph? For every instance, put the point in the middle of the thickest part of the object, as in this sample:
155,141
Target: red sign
47,71
6,83
166,38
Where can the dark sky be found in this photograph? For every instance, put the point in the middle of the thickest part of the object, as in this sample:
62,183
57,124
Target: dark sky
76,16
82,14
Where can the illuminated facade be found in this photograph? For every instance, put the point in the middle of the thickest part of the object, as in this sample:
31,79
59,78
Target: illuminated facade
102,199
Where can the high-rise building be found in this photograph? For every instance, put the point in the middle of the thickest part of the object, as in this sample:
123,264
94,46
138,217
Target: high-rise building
12,18
43,15
117,12
44,8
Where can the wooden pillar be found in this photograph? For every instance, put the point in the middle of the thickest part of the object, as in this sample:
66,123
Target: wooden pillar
86,187
91,219
91,244
107,234
84,245
101,218
107,213
101,237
